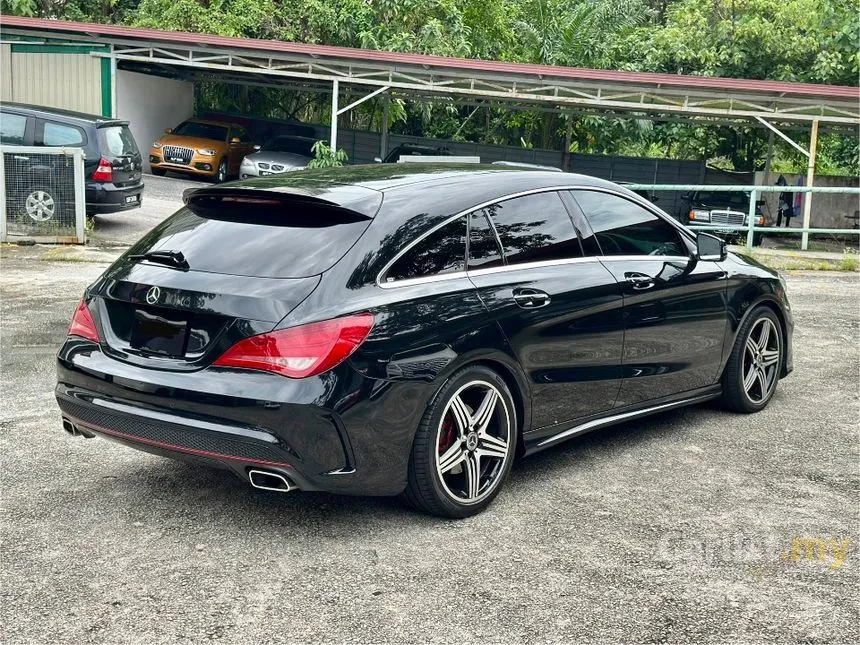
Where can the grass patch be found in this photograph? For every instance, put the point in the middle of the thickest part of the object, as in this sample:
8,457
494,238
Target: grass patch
848,263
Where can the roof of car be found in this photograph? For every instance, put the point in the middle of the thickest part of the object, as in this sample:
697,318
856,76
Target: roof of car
71,115
213,122
458,186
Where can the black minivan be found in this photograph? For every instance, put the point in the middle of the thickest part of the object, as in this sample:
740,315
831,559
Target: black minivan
112,165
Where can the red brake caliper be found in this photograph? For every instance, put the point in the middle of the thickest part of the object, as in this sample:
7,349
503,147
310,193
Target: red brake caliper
448,434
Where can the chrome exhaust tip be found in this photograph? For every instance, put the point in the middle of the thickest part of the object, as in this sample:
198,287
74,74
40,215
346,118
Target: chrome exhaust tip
75,431
267,480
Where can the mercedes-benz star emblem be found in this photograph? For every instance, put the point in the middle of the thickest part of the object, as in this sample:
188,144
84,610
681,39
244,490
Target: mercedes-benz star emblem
153,295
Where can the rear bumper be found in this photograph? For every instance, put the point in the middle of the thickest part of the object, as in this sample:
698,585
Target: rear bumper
317,432
211,443
108,198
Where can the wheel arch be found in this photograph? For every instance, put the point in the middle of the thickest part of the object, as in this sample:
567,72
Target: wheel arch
769,301
513,377
512,380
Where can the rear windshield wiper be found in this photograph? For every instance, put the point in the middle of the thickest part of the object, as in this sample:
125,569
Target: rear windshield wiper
170,258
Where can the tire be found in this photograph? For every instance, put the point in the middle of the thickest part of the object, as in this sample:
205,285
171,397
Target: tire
753,369
159,172
221,175
469,427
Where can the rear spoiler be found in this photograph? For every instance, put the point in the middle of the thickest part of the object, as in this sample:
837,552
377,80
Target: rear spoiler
281,207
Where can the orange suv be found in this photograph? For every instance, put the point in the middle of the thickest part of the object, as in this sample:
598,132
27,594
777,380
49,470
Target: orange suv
208,149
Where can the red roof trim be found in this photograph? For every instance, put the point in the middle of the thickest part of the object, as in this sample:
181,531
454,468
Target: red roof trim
678,81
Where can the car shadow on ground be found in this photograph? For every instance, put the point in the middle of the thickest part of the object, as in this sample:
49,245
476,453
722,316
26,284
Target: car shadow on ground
219,492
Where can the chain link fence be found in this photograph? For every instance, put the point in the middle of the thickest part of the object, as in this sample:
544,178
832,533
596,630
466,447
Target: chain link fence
42,194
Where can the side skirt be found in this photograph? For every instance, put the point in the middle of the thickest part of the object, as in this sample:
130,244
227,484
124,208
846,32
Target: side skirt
612,417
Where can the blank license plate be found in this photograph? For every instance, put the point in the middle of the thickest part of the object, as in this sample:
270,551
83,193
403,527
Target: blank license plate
159,335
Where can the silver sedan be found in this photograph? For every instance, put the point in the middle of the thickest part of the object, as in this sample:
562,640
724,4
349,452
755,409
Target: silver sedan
278,155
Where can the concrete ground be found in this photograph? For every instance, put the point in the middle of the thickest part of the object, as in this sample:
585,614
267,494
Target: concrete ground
683,527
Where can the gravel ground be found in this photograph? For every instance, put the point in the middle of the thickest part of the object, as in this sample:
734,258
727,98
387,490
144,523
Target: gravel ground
674,529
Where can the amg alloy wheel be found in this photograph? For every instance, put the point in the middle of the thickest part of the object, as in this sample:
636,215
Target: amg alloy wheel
465,446
752,372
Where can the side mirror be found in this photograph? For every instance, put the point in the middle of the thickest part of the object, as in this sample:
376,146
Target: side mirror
687,196
168,130
235,140
710,248
378,159
256,146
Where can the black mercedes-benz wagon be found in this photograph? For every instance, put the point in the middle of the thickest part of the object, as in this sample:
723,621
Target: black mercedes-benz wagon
385,330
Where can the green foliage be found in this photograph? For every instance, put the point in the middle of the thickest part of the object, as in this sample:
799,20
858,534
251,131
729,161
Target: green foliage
326,157
793,40
797,40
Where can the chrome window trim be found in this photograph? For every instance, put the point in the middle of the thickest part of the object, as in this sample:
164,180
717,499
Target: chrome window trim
464,213
628,258
633,197
411,282
533,265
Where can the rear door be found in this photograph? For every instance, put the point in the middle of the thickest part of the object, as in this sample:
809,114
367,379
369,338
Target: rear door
117,145
674,307
559,308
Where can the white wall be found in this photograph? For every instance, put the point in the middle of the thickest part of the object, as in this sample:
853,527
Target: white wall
69,81
150,104
829,210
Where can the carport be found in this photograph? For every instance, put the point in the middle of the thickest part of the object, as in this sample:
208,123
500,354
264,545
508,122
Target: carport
780,107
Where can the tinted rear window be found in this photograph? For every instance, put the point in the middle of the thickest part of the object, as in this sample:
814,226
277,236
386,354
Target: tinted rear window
306,240
116,141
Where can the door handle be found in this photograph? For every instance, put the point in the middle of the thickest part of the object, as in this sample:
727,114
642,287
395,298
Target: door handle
640,281
531,298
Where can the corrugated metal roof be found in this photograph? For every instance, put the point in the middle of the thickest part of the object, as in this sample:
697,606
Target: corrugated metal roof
478,68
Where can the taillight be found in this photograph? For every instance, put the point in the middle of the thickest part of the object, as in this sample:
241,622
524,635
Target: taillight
301,351
83,325
104,172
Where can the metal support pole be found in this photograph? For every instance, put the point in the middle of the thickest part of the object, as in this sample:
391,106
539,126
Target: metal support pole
383,141
810,178
112,84
769,158
3,215
751,219
80,197
565,155
335,88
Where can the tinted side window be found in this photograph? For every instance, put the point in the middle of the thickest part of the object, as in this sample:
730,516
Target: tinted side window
535,228
625,228
441,252
58,134
484,251
12,128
